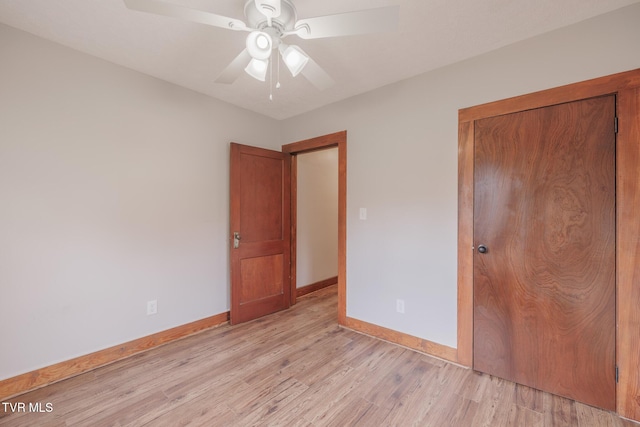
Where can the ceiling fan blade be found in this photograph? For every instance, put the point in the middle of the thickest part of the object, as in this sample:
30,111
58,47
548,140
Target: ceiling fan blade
235,69
350,23
269,8
317,76
193,15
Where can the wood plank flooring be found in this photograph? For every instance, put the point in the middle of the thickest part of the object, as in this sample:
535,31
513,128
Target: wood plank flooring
295,368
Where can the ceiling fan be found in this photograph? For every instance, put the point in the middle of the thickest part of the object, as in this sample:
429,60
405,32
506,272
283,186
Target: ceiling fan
268,22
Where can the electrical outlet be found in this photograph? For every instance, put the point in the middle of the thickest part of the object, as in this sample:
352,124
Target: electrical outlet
400,306
363,213
152,307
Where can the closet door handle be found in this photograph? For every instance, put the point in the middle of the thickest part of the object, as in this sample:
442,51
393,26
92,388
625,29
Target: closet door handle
483,249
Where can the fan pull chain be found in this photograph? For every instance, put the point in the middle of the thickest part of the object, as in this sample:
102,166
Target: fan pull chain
271,80
278,75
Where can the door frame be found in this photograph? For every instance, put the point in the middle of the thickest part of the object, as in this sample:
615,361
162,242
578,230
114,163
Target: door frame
339,140
626,87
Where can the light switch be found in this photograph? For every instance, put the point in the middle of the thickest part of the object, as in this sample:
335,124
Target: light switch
363,213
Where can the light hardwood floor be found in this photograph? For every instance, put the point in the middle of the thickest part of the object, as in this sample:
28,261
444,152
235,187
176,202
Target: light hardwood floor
295,368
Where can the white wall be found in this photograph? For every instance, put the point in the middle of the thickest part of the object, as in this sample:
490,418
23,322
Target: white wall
402,164
317,225
113,191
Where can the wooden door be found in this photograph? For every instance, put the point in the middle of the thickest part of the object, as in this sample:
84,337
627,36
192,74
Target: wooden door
260,219
544,289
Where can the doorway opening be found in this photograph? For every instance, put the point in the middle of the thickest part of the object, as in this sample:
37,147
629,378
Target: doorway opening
337,141
314,221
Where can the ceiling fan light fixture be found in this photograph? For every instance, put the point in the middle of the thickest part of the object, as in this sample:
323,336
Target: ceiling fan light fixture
294,58
257,69
259,45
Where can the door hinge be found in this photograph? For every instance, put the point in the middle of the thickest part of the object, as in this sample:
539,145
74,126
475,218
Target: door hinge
616,125
617,374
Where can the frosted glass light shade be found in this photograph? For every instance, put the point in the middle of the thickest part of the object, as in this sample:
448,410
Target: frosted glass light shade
294,58
257,69
259,45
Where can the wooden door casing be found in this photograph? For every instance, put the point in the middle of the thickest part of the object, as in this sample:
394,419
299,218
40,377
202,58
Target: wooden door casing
544,205
260,199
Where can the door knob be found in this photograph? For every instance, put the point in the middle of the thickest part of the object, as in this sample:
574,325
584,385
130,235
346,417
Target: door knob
483,249
236,240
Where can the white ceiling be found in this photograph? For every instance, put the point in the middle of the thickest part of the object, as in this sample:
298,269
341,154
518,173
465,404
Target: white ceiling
432,33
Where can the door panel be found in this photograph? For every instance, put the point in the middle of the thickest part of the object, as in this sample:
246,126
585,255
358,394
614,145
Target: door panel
261,277
260,214
544,291
261,198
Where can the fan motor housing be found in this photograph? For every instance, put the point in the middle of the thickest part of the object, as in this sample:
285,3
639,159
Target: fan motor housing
284,22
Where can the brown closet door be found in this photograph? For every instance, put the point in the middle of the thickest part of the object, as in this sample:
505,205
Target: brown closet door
544,289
